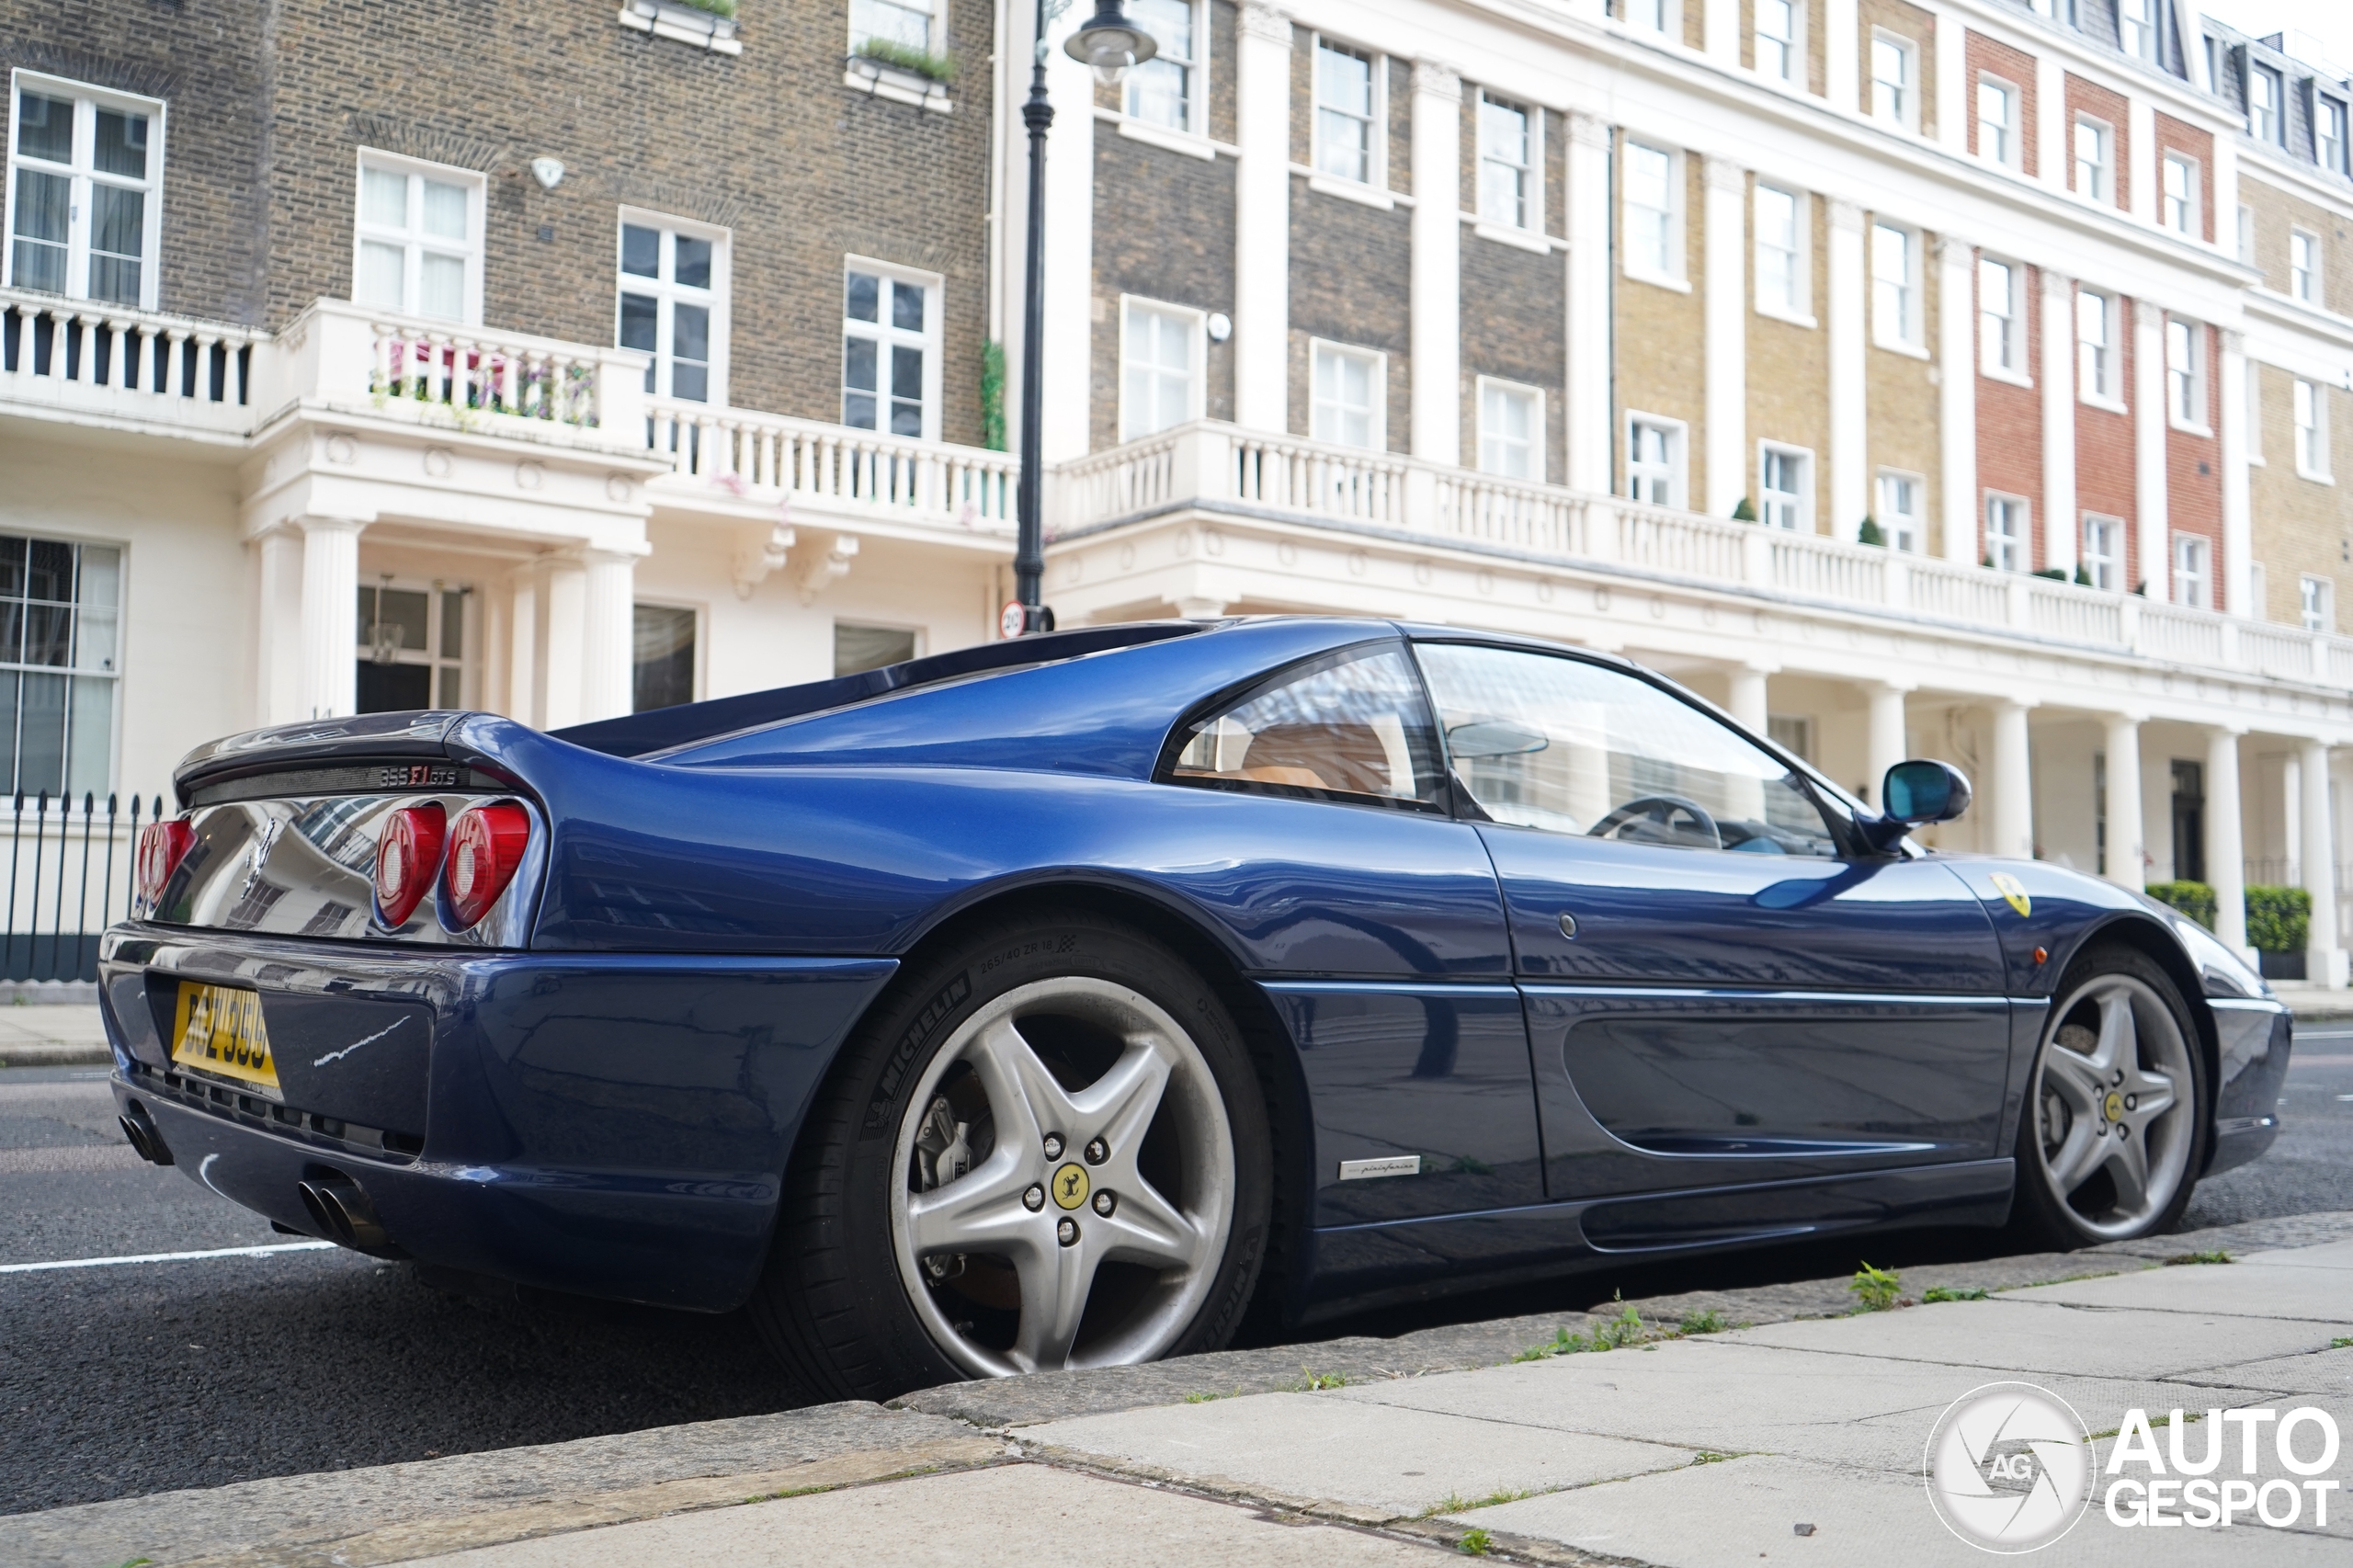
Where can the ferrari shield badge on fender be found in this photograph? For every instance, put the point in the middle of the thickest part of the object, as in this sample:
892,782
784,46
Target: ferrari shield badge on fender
2011,889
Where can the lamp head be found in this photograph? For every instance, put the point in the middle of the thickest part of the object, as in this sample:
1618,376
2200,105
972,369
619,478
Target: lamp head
1110,43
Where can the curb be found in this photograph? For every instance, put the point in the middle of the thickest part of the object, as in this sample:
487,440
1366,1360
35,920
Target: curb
54,1053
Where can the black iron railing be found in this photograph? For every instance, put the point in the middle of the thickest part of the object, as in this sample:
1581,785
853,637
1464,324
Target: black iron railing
69,877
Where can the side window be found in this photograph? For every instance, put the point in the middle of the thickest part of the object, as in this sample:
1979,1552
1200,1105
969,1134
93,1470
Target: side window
1352,725
1567,747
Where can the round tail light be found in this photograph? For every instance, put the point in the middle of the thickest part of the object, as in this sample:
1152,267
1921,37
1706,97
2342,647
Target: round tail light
485,849
408,857
162,847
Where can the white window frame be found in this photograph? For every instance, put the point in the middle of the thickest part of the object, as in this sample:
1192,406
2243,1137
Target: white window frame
81,174
2192,576
1530,218
1321,351
2099,364
2001,333
2308,401
2329,147
1654,17
2316,603
1197,387
931,339
1638,266
2178,210
697,681
1792,50
2008,133
412,243
2100,184
2016,551
429,657
2185,383
929,9
2136,27
1794,513
2304,266
1798,308
2104,566
1904,530
2266,123
668,294
1675,471
1906,106
1905,334
1196,78
2255,415
1376,172
1539,442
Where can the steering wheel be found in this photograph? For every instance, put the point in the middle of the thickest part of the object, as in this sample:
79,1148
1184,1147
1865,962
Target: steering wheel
1651,817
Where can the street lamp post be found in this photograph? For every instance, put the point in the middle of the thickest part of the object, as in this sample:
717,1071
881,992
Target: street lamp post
1108,43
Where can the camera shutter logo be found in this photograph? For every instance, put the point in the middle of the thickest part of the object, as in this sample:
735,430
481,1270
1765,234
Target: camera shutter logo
2009,1468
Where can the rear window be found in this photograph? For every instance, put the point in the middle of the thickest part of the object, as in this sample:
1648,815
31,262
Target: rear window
1350,726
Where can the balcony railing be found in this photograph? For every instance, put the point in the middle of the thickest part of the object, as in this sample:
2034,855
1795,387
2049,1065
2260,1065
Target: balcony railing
86,360
1220,467
773,458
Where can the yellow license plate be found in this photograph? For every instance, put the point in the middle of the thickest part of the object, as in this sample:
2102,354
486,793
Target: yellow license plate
218,1031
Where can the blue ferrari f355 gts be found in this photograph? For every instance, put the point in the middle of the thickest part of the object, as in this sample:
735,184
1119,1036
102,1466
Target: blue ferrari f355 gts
1071,1001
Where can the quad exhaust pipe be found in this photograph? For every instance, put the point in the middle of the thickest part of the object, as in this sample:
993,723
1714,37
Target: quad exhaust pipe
342,1213
146,1140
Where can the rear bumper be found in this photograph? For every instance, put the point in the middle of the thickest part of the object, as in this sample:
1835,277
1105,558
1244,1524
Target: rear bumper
615,1126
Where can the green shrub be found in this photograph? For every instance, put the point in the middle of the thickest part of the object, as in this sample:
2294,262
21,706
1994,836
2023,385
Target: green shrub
2193,899
2278,919
2083,578
1743,512
1870,533
993,395
716,8
940,68
2053,572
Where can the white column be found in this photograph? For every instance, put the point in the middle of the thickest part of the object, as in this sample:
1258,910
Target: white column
2238,506
1720,30
1957,394
525,659
1952,83
328,676
1886,744
2154,533
1435,285
2141,170
1725,312
1262,219
2052,123
2010,813
1070,251
1851,462
1746,699
2226,197
2126,839
563,682
2324,960
1841,69
278,645
608,615
2058,421
2225,858
1588,305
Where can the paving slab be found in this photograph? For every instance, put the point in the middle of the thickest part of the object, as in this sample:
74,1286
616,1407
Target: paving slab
52,1035
1009,1517
2249,1290
2327,1255
1392,1462
2323,1375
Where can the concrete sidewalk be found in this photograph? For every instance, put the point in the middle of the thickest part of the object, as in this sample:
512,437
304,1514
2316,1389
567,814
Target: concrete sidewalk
51,1035
1792,1435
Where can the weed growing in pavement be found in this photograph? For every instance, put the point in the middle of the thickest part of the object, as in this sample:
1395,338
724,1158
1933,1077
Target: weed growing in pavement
1453,1502
1200,1397
1478,1543
1708,1322
1707,1456
1946,1293
1313,1382
2192,1419
1877,1289
2340,1343
2199,1257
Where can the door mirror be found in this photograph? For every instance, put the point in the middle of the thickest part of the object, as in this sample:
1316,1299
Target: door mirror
1493,737
1918,791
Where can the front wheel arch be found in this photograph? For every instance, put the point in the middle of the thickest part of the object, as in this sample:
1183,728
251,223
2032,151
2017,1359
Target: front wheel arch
2152,942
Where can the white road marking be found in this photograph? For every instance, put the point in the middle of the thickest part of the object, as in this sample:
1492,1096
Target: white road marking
165,1257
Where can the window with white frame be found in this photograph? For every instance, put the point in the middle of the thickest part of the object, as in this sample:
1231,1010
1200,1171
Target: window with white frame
2312,429
891,351
1160,367
2264,121
2005,532
85,192
1895,285
1785,491
2192,571
1163,90
1652,16
1782,287
1997,128
2103,556
1507,164
1511,430
2185,390
2095,176
1777,40
2303,265
2328,135
900,24
1899,510
2001,328
673,304
61,606
2177,195
419,239
1345,144
1894,61
2136,27
1654,213
2096,367
1654,459
1348,396
662,656
412,646
2316,598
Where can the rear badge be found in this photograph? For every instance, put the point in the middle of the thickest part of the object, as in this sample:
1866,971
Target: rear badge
2010,888
1395,1165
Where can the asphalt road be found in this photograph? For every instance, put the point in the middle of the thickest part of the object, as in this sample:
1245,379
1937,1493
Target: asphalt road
132,1379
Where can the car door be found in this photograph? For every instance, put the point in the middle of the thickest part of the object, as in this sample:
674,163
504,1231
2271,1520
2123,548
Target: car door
1722,987
1334,855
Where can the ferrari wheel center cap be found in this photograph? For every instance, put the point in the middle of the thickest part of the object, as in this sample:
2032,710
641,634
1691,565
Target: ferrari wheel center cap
2114,1106
1070,1186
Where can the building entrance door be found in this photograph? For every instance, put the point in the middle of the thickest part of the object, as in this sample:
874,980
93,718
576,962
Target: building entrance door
412,649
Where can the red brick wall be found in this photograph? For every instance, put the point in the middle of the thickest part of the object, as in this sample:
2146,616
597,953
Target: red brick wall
2018,69
2104,477
2173,135
2088,97
2194,468
2009,422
